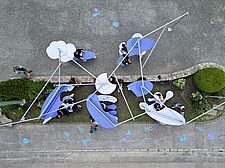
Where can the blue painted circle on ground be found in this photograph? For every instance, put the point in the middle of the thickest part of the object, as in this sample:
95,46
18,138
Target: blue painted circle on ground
116,24
26,140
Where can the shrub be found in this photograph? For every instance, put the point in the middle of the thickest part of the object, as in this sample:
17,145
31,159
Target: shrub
199,103
180,83
209,80
201,106
221,93
196,96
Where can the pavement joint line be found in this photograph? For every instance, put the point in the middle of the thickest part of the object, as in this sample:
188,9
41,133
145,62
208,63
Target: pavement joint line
159,150
132,78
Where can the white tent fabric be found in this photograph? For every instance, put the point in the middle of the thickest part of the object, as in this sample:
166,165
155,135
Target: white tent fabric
59,49
103,85
139,35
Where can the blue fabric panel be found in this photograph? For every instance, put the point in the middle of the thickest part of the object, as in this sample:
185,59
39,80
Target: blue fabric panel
104,119
87,55
135,87
145,45
52,103
113,113
111,107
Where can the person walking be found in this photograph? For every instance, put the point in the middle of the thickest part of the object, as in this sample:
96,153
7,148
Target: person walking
94,125
21,71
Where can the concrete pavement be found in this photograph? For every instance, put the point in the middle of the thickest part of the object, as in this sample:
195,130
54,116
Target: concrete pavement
129,145
50,138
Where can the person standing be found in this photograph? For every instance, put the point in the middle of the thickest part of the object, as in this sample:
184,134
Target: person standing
124,53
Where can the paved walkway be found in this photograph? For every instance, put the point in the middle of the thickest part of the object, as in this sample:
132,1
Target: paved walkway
129,145
146,137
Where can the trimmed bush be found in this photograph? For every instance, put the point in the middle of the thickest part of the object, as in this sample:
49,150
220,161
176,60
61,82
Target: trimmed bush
180,83
209,80
196,96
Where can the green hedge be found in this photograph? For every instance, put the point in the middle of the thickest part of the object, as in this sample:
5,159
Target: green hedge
13,89
209,80
17,89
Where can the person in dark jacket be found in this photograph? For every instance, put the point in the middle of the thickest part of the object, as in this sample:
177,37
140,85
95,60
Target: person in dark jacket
21,70
124,52
79,54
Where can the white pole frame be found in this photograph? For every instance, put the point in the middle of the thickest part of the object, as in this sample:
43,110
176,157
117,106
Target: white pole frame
127,55
84,68
153,47
59,64
20,121
23,117
180,17
124,97
139,115
140,62
78,84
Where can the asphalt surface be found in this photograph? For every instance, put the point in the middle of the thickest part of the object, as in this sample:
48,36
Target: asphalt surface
28,27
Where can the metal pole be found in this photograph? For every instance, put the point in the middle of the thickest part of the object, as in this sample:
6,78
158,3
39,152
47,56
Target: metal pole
83,68
21,121
140,62
131,118
122,60
124,97
23,117
217,97
78,84
154,47
165,25
59,63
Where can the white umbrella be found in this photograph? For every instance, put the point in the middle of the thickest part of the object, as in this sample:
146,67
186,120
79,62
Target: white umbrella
103,85
59,49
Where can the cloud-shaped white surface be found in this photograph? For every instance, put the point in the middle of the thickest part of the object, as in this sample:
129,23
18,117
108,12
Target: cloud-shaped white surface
103,85
59,49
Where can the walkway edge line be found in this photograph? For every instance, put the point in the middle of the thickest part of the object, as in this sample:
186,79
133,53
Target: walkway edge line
132,78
